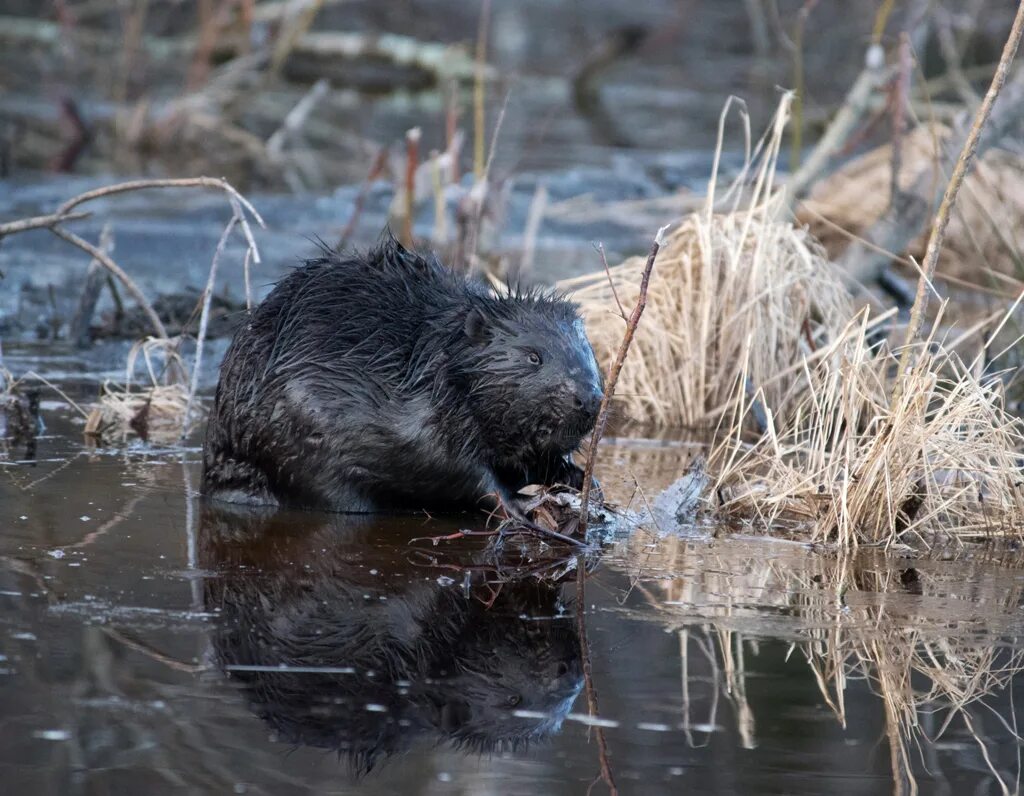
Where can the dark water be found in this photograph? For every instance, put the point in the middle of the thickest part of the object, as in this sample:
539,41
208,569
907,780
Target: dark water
143,635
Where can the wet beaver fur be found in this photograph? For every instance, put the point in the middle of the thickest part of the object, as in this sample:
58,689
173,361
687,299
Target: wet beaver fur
383,655
389,382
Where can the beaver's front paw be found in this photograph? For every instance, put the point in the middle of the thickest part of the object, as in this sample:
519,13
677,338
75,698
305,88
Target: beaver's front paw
572,475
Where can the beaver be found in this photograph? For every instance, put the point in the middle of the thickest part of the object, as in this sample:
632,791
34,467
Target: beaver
381,654
388,382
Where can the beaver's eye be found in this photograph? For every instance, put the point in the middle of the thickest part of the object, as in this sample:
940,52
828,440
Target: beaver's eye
534,358
513,700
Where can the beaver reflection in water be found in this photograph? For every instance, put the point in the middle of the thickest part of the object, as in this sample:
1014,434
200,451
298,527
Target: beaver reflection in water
381,655
388,382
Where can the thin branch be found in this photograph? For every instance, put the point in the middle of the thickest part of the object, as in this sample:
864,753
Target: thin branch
204,318
136,185
588,674
478,90
613,377
296,118
380,161
900,99
963,164
104,259
39,222
799,84
412,158
63,213
611,282
252,253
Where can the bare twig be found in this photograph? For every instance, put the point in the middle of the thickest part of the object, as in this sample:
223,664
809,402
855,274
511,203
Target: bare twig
611,282
613,376
412,156
95,278
204,318
479,125
588,675
799,85
252,253
900,98
129,284
931,255
534,218
79,135
39,222
451,126
437,186
137,185
376,169
245,274
296,118
64,213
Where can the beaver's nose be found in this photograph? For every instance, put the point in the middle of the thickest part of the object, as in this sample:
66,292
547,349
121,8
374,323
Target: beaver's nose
589,401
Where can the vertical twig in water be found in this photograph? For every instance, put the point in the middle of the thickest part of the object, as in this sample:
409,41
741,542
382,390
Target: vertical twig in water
440,235
296,119
204,319
376,169
963,163
129,284
479,128
613,376
248,282
451,126
534,218
252,253
475,202
588,674
95,278
412,156
588,475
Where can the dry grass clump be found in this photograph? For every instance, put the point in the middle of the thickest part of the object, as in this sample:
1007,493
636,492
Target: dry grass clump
156,410
869,458
991,202
736,298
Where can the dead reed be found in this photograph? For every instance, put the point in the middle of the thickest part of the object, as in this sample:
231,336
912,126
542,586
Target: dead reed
157,409
861,462
739,297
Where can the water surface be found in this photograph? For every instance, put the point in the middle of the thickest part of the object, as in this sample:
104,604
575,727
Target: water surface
144,633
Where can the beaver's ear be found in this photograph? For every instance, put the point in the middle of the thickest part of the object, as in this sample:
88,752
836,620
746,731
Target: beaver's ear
476,327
